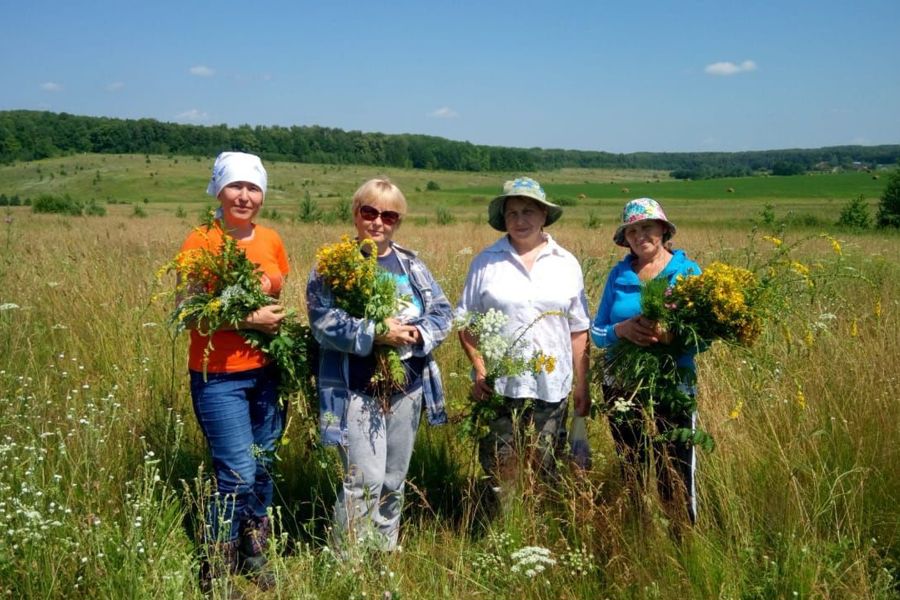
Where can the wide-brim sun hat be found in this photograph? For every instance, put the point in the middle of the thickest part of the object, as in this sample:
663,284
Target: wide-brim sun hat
641,209
525,187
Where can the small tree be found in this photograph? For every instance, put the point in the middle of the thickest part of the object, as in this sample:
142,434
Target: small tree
889,207
309,209
855,214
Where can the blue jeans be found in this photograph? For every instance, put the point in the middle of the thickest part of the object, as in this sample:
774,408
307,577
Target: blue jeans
240,417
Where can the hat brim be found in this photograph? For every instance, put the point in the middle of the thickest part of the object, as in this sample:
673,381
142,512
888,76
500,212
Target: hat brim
619,235
498,221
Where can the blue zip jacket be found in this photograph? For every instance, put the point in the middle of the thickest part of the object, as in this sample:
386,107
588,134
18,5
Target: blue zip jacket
340,335
621,299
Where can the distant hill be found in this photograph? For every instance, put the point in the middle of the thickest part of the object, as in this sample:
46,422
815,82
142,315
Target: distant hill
32,135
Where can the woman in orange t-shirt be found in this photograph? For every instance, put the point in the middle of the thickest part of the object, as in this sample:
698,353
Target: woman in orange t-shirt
234,388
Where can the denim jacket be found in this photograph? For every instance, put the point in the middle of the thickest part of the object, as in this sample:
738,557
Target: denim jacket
340,335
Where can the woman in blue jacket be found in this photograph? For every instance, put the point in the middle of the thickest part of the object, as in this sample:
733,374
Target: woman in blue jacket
646,231
375,444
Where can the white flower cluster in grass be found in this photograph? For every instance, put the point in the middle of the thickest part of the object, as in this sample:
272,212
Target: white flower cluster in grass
531,560
578,562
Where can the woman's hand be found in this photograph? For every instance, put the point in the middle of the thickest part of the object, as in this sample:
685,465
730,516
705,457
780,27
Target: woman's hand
398,334
641,331
266,319
481,390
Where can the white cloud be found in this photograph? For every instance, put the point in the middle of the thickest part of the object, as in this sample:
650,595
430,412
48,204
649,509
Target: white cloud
729,68
50,86
202,71
115,86
194,115
444,112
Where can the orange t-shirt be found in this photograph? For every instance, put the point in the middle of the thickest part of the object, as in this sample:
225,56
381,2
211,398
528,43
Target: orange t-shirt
230,352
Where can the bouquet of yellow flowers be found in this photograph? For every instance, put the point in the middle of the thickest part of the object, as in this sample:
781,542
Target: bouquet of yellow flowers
350,270
221,287
723,303
503,356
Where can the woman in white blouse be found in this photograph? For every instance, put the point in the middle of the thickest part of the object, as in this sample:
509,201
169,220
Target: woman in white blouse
526,274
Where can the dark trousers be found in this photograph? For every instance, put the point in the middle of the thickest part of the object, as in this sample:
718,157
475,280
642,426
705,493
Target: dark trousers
637,444
498,451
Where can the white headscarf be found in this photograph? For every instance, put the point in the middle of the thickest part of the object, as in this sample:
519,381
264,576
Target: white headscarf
236,166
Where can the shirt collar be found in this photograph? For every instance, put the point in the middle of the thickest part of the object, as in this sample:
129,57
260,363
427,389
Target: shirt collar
502,245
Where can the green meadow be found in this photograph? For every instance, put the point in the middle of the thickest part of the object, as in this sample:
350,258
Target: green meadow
103,468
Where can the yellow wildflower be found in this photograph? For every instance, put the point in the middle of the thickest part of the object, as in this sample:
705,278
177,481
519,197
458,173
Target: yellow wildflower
854,329
775,241
800,398
736,411
808,339
877,308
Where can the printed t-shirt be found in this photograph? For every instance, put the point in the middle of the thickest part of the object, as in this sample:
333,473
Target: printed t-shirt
362,368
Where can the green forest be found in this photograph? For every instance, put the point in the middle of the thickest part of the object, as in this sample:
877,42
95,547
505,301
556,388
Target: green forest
32,135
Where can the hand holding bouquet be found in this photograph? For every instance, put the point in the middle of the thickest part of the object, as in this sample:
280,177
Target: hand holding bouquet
350,270
220,289
503,356
723,303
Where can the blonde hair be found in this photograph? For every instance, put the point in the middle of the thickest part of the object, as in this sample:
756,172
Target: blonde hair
380,188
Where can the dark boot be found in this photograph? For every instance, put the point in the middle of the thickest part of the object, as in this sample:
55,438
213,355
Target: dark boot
255,537
220,562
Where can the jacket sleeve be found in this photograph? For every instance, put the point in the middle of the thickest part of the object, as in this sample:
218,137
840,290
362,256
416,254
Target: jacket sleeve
332,327
437,318
603,331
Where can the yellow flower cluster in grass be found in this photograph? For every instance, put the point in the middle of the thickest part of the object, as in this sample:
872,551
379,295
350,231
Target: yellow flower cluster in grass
719,302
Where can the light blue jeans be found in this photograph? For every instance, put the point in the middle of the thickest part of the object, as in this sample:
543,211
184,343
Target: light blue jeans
240,417
375,459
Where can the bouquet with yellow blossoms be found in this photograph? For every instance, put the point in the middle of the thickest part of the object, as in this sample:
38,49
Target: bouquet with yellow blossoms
723,303
220,287
350,270
503,356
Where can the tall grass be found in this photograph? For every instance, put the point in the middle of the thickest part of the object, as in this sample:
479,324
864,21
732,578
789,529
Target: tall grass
102,463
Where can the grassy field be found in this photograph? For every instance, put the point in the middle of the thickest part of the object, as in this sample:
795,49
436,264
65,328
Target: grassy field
592,196
102,464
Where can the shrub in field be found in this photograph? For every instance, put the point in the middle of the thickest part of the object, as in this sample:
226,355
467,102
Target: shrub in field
889,208
432,186
139,211
444,216
50,204
593,221
92,209
855,214
309,209
767,214
565,201
342,213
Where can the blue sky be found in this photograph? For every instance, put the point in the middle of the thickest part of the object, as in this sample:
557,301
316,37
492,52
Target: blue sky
616,76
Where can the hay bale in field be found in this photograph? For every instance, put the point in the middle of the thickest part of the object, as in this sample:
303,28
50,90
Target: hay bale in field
625,190
730,190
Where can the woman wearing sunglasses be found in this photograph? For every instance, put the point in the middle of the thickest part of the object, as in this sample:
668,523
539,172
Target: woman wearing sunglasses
376,443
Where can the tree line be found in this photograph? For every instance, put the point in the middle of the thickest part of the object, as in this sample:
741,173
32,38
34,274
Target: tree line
33,135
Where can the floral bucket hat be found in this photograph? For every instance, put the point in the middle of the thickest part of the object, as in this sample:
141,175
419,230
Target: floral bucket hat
527,188
640,209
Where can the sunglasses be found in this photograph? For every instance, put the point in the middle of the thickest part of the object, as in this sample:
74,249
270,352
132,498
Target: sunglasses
370,213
